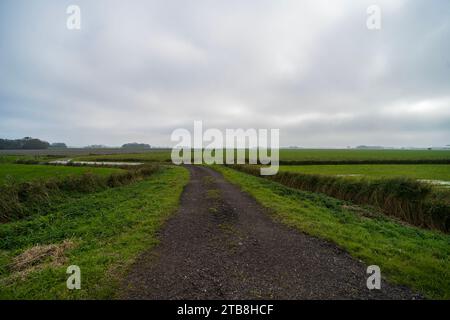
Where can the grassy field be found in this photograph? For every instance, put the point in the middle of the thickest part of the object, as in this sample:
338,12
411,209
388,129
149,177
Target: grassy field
22,172
101,232
14,158
153,156
285,154
74,152
425,205
406,255
419,171
355,154
298,155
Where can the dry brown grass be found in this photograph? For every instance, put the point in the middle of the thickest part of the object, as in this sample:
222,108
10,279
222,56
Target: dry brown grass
37,258
40,256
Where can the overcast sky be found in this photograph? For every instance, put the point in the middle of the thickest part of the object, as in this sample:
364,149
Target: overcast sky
137,70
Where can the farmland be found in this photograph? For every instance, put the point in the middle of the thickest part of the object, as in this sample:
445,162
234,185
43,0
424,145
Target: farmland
362,155
72,152
150,156
99,218
410,256
23,173
102,232
420,171
226,156
314,155
104,219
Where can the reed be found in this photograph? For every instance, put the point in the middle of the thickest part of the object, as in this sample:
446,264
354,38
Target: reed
407,199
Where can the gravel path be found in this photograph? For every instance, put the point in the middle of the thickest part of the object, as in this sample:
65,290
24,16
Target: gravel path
221,244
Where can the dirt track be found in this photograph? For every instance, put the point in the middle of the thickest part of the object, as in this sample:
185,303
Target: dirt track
221,244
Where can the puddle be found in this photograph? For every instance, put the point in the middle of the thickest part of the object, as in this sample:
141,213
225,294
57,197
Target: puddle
95,163
436,182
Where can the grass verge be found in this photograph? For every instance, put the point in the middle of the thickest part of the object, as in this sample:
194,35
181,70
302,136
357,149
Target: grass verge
21,200
407,199
406,255
101,232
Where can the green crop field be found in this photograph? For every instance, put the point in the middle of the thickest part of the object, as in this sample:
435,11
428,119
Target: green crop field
415,171
24,172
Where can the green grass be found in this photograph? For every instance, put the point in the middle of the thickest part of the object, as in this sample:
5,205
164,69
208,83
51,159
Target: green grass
297,155
352,154
25,172
406,255
14,158
151,156
414,171
109,229
10,158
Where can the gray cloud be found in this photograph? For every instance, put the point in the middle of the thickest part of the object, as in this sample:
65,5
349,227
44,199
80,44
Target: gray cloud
139,69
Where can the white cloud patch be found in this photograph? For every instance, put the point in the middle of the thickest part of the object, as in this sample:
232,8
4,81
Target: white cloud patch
139,69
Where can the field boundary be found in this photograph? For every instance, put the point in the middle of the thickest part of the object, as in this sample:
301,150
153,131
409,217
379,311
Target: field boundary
356,162
407,199
19,200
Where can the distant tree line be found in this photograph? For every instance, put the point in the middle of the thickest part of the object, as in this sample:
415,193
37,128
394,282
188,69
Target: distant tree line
370,147
58,145
135,145
26,143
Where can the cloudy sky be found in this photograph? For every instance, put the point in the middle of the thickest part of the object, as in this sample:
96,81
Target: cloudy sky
137,70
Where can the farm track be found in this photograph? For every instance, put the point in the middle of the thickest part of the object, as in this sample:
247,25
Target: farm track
221,244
